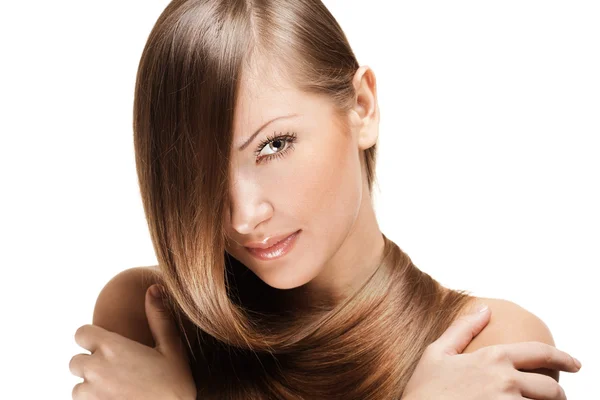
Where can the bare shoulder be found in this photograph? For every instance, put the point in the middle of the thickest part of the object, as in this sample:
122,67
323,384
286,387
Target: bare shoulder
120,306
511,323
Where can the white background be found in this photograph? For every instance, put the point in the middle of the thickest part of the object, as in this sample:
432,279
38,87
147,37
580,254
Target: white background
488,166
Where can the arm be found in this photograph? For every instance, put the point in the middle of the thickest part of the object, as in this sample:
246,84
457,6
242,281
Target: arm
511,323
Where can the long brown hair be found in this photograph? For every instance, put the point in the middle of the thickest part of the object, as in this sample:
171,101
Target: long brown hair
364,347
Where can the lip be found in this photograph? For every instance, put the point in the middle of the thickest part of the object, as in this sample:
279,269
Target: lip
277,250
271,241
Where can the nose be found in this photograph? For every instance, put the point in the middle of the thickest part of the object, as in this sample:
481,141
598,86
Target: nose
248,208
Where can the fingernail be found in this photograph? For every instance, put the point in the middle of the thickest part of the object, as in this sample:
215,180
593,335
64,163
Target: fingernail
577,362
155,291
482,308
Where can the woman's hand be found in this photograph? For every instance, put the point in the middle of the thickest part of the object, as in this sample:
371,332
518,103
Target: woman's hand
488,373
121,368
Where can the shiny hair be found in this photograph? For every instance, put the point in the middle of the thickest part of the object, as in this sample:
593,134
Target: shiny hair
363,347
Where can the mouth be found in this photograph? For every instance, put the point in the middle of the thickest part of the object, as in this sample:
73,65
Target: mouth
276,251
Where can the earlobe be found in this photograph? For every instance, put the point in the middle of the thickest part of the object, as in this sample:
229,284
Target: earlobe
367,138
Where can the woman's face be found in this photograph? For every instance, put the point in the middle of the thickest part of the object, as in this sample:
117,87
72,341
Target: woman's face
307,179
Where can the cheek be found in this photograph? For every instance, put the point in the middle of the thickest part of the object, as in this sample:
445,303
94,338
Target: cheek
324,188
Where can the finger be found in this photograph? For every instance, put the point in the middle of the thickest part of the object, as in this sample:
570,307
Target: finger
462,331
77,362
540,387
534,355
166,336
89,336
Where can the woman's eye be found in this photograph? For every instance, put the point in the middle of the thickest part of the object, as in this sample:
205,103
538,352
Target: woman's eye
275,146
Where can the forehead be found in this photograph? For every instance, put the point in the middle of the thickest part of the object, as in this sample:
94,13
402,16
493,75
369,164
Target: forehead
266,91
265,94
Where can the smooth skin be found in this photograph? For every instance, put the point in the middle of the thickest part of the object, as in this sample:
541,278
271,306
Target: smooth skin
317,183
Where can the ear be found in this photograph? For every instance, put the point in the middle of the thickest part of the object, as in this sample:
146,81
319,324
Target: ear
365,113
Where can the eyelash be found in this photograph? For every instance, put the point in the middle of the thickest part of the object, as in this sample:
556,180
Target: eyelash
289,139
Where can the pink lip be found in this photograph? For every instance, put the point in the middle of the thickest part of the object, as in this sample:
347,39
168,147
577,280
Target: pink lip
278,250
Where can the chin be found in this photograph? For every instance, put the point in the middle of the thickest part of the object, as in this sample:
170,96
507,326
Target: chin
286,278
283,286
284,282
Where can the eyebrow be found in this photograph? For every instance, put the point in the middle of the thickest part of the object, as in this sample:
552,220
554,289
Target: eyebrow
251,138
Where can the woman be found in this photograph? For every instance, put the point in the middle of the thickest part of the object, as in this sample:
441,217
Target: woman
255,134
